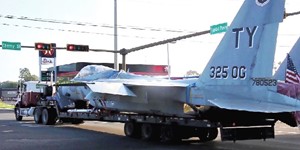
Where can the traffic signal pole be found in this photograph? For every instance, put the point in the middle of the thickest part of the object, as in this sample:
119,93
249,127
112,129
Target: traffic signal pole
124,52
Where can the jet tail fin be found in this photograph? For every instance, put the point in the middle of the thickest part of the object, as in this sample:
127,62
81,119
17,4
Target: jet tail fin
248,47
239,73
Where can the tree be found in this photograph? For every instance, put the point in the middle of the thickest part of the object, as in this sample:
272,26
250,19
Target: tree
62,80
8,84
192,73
26,75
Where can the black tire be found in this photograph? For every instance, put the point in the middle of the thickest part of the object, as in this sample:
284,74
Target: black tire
77,121
65,120
213,134
71,120
37,115
132,130
49,116
208,134
150,132
169,135
17,114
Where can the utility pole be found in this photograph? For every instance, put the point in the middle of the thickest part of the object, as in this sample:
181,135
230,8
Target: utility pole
168,59
116,65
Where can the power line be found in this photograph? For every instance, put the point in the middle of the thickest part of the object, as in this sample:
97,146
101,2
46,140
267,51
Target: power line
84,32
25,18
97,33
74,31
123,51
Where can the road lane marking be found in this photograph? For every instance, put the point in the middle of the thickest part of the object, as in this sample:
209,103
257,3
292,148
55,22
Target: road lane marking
7,131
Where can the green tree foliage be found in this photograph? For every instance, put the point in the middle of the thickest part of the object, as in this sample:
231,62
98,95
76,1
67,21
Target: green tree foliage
8,84
192,73
62,80
34,77
26,75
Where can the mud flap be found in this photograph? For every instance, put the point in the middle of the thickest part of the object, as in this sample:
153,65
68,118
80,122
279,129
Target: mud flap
234,134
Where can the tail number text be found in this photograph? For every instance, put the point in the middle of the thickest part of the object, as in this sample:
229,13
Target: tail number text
223,72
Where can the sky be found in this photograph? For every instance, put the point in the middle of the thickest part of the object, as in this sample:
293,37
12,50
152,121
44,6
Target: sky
158,20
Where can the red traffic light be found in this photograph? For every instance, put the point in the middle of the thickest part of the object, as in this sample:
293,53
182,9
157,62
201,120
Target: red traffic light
39,46
43,46
80,48
70,47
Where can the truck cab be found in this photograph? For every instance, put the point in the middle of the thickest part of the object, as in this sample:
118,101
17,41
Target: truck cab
29,93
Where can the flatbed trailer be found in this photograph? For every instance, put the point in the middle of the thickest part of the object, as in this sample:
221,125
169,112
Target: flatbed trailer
151,126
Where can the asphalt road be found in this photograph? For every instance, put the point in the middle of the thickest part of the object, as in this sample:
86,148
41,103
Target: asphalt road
100,135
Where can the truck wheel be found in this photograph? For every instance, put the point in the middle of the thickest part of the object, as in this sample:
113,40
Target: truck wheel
17,114
37,115
49,116
208,134
132,129
149,132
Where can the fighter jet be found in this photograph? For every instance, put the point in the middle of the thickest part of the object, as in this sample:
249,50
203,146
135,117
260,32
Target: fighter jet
236,86
289,75
294,55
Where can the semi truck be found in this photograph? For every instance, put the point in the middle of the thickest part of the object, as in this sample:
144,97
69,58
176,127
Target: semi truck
235,95
28,95
51,104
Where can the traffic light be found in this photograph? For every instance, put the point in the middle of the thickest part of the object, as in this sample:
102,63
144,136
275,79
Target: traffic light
49,53
80,48
43,46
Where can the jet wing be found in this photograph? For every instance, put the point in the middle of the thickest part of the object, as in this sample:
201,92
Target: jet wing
120,87
113,88
157,83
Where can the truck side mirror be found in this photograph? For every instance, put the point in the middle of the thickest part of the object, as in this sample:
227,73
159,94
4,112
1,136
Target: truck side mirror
18,89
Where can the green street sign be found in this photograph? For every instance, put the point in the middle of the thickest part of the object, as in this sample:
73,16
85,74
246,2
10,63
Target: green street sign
214,29
11,45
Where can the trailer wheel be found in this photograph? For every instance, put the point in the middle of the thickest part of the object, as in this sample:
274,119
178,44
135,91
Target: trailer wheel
213,133
132,129
168,134
37,115
77,121
150,132
208,134
17,114
49,116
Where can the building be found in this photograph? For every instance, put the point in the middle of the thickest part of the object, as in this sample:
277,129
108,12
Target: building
70,70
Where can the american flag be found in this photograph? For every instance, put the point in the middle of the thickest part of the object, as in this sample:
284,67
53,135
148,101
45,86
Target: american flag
291,75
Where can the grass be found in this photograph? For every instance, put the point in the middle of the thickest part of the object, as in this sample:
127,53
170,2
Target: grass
5,106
